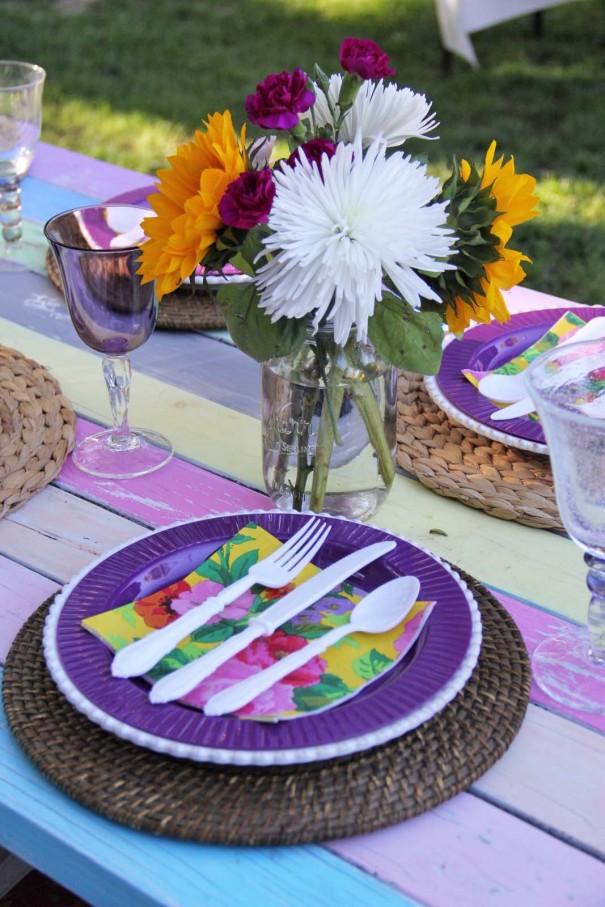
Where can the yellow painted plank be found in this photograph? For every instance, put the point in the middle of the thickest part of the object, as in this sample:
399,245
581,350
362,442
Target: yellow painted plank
201,430
534,564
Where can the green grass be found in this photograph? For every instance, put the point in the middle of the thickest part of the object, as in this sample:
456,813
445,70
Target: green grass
129,79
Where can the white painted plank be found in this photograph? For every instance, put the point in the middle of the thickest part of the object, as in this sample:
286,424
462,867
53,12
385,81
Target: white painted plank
57,533
21,591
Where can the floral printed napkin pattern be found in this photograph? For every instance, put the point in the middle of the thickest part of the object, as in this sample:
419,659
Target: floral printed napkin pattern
325,681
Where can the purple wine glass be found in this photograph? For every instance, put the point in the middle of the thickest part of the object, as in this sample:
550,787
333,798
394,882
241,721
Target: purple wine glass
97,253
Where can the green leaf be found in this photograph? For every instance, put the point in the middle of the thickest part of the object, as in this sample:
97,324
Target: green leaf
259,604
213,632
128,616
252,247
240,566
251,328
329,688
216,572
171,662
190,651
118,642
304,630
322,79
405,337
371,664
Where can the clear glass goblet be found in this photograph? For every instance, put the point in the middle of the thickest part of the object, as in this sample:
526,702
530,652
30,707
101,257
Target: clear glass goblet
21,86
568,388
113,313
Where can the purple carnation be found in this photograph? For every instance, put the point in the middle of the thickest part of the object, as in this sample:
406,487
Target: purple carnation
248,199
314,151
279,100
364,58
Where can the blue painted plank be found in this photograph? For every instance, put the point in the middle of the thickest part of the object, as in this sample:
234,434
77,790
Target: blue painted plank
201,364
110,865
41,200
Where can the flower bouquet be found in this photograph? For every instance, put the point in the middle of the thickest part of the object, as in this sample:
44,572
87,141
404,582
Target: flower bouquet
356,257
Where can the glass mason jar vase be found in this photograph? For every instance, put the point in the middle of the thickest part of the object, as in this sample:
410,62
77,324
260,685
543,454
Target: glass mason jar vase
329,427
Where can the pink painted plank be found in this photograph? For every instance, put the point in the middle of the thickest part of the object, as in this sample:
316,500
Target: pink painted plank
21,592
522,299
84,174
178,491
535,625
468,852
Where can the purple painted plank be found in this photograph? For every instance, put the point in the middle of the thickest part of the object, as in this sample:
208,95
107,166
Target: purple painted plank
535,625
178,491
84,174
468,852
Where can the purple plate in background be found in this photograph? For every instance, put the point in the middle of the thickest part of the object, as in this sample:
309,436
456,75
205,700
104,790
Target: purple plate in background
486,347
421,685
139,197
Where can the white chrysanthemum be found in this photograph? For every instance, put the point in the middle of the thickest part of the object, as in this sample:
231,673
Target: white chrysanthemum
338,232
380,112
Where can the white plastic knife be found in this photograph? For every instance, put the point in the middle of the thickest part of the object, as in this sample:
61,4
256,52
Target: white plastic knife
515,410
183,680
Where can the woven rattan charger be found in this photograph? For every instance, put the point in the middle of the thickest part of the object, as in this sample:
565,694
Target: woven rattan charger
285,805
458,463
180,311
37,428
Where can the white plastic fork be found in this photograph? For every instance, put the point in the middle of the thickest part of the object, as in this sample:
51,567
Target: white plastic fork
274,571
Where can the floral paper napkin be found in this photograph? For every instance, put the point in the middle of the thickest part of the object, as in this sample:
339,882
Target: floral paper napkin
325,681
568,323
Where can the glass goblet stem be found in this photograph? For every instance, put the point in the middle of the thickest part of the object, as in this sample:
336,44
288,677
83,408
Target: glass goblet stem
10,211
118,373
596,608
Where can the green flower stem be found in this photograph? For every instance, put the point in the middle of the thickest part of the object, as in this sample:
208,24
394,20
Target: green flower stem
335,375
333,397
367,404
304,400
303,466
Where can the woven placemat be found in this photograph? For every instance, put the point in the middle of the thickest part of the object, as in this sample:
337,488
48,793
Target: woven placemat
286,805
180,311
459,463
37,428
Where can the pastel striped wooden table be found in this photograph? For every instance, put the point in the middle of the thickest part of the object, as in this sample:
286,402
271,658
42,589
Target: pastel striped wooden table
531,831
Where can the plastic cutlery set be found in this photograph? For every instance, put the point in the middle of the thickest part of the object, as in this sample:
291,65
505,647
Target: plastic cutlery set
512,389
381,610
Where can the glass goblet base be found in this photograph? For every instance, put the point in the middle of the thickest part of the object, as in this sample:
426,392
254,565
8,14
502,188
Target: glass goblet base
111,456
563,669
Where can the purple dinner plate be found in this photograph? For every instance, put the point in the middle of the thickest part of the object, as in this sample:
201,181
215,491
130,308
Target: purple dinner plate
486,347
432,673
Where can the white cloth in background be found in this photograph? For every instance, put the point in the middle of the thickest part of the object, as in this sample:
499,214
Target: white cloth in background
460,18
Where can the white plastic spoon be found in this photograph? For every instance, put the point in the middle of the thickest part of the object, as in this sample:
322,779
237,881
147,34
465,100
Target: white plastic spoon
512,388
503,388
378,612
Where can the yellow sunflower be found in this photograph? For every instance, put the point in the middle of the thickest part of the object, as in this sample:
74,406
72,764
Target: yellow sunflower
186,202
515,204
